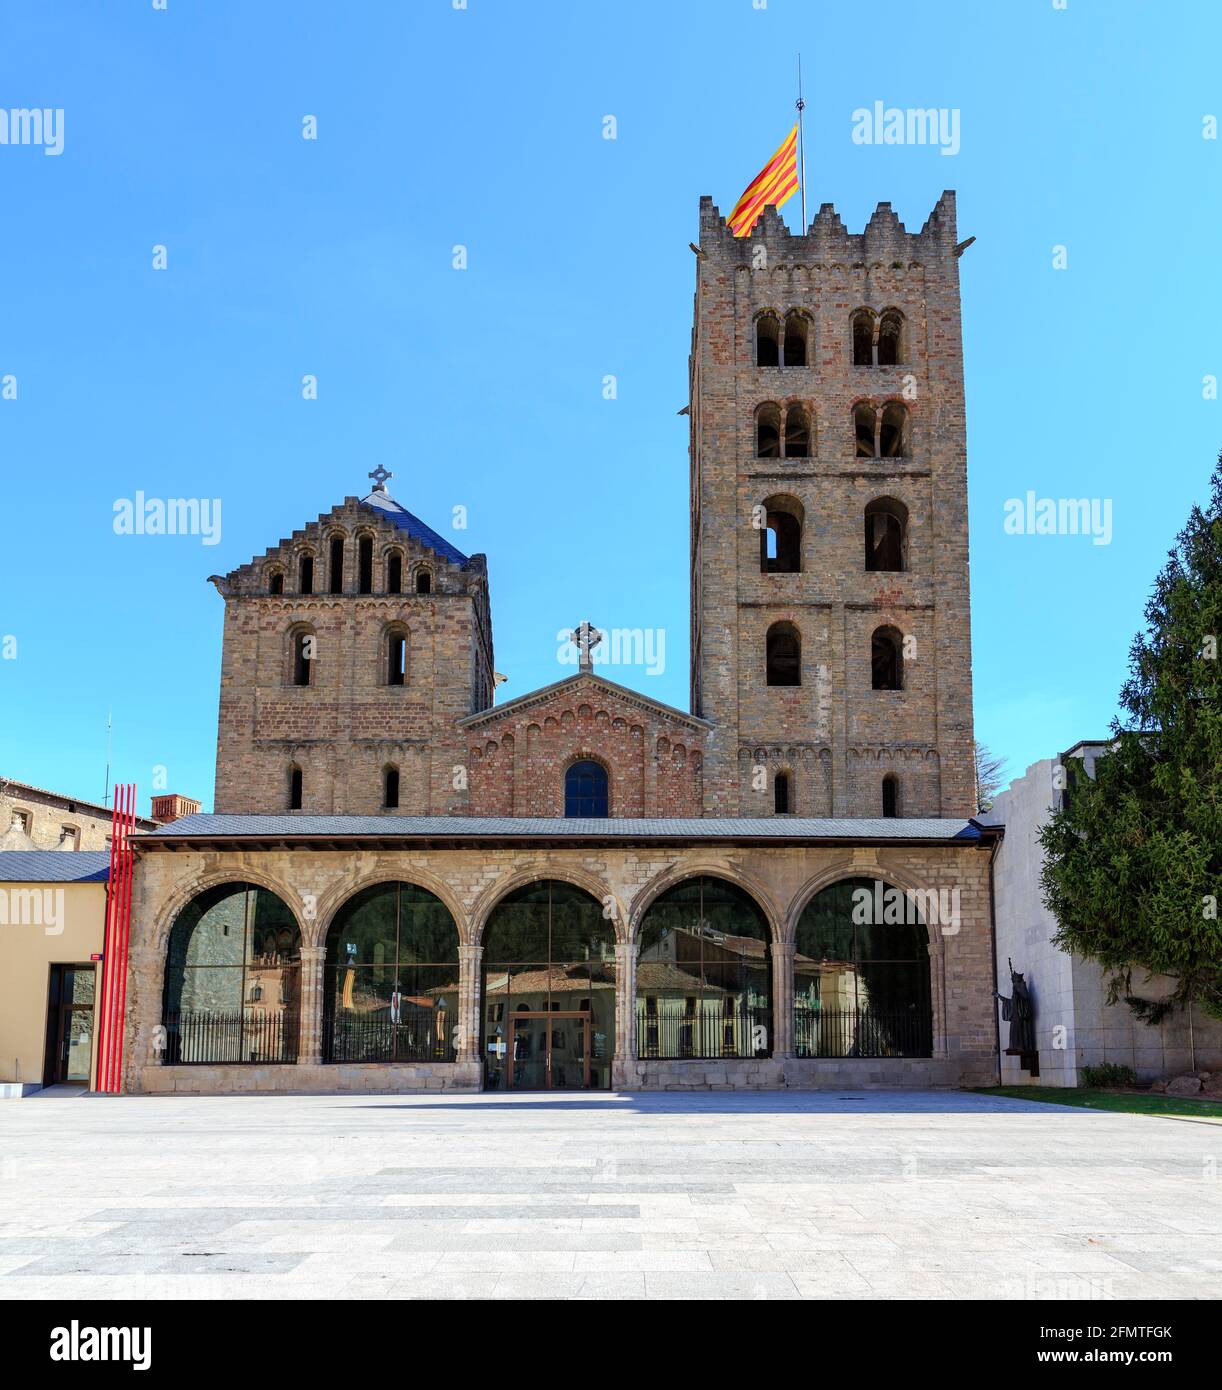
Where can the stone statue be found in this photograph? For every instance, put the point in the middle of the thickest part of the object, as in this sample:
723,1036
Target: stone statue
1019,1013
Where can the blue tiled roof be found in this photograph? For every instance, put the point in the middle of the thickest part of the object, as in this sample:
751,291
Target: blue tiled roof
54,865
399,516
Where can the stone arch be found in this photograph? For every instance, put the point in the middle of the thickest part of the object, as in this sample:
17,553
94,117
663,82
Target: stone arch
167,915
338,894
537,870
649,892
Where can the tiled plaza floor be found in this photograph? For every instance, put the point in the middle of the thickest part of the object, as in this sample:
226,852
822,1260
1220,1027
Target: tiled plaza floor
795,1195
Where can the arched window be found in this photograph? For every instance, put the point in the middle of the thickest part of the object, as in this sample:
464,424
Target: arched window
891,338
390,788
364,565
275,584
394,573
304,650
549,990
424,582
781,801
305,583
893,436
295,788
337,564
784,654
891,796
768,431
863,338
861,974
797,432
703,974
863,429
781,536
390,992
396,657
796,328
886,659
232,990
767,341
585,789
886,535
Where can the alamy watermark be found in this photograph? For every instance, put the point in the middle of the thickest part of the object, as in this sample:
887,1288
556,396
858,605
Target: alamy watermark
38,125
909,125
33,907
884,904
617,646
1060,516
169,516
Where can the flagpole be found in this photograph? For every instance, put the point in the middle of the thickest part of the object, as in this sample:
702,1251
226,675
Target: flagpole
801,105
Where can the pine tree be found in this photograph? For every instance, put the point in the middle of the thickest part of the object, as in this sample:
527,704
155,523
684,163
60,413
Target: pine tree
1133,860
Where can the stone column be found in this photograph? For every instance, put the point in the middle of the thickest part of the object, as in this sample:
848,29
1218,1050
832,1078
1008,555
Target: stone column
470,960
309,1046
624,1072
782,999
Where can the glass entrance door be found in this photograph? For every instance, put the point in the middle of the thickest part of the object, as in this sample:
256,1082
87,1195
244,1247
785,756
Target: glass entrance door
549,1051
70,1023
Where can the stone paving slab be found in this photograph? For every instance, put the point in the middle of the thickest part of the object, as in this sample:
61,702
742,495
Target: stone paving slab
704,1196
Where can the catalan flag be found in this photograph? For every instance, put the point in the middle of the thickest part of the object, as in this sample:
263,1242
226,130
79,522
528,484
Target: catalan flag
775,183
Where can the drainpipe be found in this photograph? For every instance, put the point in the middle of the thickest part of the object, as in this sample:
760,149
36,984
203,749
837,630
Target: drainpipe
993,952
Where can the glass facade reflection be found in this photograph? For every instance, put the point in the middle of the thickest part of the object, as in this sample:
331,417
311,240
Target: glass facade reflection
704,974
861,975
390,984
548,1000
232,986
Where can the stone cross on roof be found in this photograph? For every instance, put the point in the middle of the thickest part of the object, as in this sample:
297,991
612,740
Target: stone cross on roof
585,639
379,476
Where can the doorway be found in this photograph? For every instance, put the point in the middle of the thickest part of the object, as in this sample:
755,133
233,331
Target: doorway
549,1051
70,999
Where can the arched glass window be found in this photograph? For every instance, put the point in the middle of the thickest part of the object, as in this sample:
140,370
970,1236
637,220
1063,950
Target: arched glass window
303,657
886,534
337,564
295,788
396,657
780,794
781,536
891,795
704,974
863,429
305,583
784,654
797,432
768,431
585,789
391,987
275,584
887,659
861,974
232,983
390,788
795,339
424,582
364,565
893,434
394,573
891,338
863,338
549,991
767,341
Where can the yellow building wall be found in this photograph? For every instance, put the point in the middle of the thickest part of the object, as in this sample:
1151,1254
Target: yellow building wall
55,930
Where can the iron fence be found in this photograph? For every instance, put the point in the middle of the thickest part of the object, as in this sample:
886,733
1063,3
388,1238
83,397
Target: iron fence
248,1035
744,1033
368,1038
904,1032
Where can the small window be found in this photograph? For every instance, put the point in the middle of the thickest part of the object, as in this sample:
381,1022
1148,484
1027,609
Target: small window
585,789
863,429
781,537
294,788
891,339
396,659
364,565
390,789
337,565
784,654
886,659
780,794
795,340
424,582
276,583
69,837
891,796
394,573
863,338
303,658
768,432
797,432
306,584
767,341
893,435
886,535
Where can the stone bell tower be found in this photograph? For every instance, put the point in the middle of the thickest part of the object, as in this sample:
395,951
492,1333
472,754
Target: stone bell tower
831,637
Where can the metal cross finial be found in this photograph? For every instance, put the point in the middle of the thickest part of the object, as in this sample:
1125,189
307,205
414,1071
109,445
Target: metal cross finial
379,476
585,639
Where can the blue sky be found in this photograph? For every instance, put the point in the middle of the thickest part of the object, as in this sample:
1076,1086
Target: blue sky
1080,127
